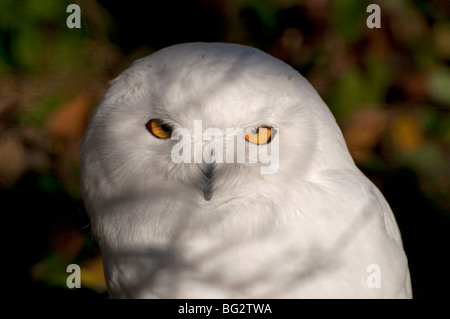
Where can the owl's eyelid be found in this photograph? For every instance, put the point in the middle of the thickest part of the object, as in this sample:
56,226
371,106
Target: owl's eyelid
163,122
257,127
251,130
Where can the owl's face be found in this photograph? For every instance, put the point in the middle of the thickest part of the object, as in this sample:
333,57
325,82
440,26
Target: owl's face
254,100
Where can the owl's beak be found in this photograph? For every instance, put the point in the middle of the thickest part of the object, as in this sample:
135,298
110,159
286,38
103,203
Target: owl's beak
208,182
207,194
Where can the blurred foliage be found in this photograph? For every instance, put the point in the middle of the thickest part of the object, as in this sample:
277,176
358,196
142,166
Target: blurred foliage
34,36
388,88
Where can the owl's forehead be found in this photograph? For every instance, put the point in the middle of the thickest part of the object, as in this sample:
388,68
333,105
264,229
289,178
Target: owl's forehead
221,89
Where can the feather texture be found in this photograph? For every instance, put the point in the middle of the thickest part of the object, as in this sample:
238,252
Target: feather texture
310,230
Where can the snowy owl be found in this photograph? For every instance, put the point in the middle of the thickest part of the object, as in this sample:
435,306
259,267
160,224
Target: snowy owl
214,170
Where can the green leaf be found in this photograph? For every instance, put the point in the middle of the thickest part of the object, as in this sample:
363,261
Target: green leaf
27,48
348,94
379,80
439,85
349,17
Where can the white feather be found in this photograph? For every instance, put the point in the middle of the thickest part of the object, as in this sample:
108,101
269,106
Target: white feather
309,231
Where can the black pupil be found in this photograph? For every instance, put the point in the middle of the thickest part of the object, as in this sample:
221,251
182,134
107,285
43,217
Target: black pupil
166,127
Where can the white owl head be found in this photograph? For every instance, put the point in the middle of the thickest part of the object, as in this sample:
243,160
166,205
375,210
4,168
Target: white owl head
222,86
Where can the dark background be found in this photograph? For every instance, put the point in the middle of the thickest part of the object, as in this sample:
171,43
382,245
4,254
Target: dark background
388,88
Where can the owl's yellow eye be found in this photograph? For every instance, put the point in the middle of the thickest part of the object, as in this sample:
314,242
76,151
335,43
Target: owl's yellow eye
259,135
159,129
